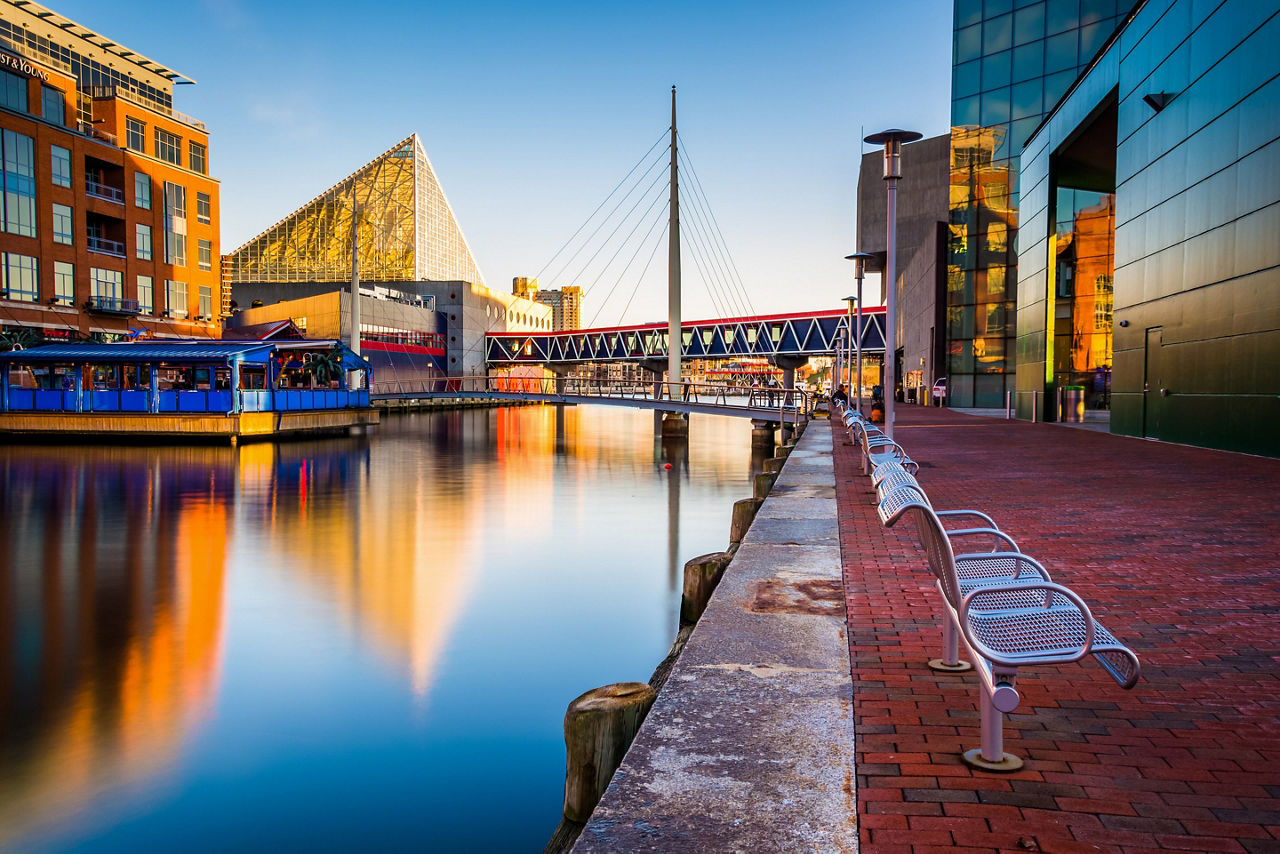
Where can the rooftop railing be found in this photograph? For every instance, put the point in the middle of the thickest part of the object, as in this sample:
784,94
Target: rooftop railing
142,101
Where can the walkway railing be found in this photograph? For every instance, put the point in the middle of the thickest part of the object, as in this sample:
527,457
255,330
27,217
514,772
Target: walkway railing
780,404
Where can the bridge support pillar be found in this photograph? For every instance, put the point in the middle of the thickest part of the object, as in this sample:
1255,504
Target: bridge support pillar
762,433
789,365
562,377
675,425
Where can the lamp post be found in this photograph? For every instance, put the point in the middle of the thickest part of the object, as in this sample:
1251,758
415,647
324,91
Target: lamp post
859,260
849,340
892,141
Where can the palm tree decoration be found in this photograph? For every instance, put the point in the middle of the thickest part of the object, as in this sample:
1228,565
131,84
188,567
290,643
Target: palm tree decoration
19,338
326,367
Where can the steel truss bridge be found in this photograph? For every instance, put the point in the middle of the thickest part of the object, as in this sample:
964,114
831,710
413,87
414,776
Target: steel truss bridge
777,405
799,335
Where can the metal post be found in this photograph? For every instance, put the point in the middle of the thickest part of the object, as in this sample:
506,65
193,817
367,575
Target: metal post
859,260
355,278
892,141
1008,405
79,387
1035,405
235,384
674,341
153,389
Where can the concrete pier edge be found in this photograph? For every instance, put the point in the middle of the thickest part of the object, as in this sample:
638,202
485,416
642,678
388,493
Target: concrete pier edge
749,746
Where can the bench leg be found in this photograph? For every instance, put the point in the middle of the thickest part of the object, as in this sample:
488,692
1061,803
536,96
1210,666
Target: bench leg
992,705
950,661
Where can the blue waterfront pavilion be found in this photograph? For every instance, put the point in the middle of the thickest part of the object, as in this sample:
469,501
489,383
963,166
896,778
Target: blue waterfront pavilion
197,377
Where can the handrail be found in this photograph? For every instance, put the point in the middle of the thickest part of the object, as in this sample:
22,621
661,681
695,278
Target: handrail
792,404
103,191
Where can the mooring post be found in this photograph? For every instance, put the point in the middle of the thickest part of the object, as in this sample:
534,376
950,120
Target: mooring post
598,728
701,575
744,512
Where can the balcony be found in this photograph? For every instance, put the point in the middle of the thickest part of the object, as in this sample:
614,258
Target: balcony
112,305
92,132
104,92
104,246
101,191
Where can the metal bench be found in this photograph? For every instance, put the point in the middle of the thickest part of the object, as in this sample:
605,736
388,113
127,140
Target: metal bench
1010,615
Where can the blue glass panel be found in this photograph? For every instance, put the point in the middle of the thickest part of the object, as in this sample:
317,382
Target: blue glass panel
997,34
1095,11
1062,15
133,401
991,8
1092,38
168,401
965,112
965,79
192,401
995,107
22,398
996,70
1060,52
1028,61
69,401
219,401
1027,99
1028,24
103,401
967,12
1055,86
48,400
968,44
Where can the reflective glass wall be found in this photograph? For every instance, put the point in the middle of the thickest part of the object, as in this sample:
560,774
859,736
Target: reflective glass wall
1012,61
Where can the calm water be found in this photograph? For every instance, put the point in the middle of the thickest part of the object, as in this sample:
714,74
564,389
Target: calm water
326,645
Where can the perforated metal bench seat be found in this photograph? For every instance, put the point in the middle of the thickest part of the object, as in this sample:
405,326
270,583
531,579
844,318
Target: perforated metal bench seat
1041,623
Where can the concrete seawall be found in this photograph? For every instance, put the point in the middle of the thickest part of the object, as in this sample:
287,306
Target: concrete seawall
749,746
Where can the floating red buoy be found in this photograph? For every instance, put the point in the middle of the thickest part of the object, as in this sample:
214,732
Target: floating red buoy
667,466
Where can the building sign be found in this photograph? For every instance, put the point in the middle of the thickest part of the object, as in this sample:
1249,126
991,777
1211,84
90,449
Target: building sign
23,67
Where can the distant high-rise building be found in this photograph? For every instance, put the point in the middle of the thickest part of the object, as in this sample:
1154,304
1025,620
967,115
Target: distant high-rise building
566,307
109,219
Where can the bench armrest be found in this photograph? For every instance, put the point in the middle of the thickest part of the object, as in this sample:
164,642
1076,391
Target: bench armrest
997,534
991,523
1028,567
1015,624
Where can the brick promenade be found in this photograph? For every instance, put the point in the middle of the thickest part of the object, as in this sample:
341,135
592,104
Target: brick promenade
1176,550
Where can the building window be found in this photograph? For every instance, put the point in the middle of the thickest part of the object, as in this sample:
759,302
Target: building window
135,134
142,241
53,105
62,229
204,255
146,297
142,190
13,91
64,283
176,298
106,283
20,279
204,209
206,302
19,184
168,147
175,224
61,173
198,157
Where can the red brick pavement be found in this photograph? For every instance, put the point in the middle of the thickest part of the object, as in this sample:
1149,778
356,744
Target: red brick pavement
1176,551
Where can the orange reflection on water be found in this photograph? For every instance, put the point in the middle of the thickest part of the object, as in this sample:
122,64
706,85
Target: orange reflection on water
111,618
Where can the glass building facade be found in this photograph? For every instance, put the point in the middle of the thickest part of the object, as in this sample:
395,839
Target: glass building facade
1151,194
406,230
1012,61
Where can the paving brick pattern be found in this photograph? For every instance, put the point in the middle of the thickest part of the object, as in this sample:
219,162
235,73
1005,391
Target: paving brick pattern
1176,550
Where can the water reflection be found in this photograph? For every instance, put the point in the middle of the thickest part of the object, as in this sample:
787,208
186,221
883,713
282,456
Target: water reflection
300,644
111,609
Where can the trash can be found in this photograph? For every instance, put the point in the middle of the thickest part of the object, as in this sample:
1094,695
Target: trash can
1073,404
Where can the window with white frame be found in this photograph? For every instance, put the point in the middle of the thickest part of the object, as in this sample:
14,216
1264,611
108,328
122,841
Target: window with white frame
204,254
64,283
142,190
176,298
61,173
20,279
146,296
206,302
142,241
106,284
62,227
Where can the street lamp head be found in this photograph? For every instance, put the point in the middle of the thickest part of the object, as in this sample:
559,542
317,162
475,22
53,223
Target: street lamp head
892,140
860,260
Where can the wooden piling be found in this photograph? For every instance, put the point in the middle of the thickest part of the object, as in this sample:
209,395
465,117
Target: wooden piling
764,483
773,465
598,729
701,575
744,512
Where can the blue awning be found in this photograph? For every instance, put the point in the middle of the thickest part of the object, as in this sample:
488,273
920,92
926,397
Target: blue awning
149,352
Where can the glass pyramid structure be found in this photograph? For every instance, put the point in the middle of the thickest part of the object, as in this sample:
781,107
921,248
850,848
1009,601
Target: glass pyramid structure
406,230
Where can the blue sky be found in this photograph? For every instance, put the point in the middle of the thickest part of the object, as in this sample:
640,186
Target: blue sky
532,112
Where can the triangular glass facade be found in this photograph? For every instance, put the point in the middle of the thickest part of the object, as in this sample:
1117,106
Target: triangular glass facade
406,229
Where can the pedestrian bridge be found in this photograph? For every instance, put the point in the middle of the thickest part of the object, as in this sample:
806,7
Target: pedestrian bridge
774,336
777,405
